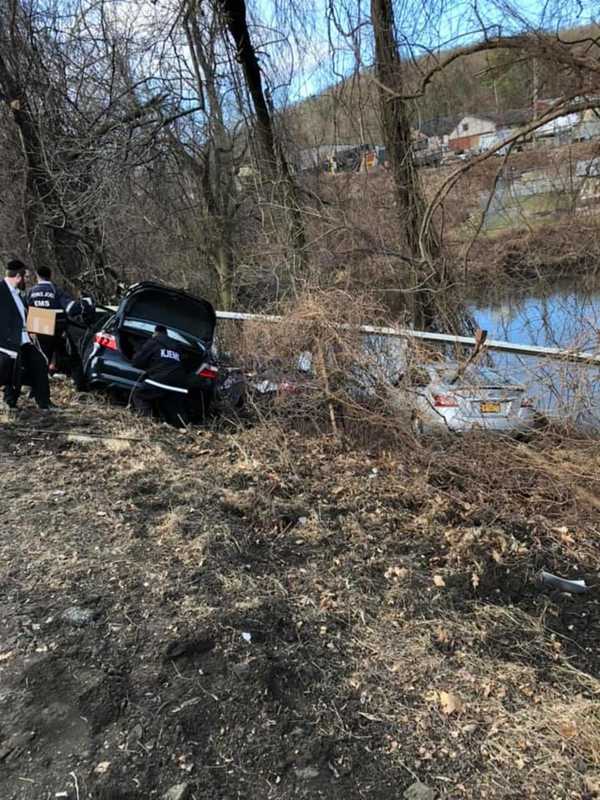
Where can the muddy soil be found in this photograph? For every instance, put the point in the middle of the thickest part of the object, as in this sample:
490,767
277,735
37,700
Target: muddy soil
262,614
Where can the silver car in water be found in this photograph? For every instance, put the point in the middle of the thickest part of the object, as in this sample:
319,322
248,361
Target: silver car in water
447,397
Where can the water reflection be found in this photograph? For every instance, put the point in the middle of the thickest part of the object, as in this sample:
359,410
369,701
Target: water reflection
567,317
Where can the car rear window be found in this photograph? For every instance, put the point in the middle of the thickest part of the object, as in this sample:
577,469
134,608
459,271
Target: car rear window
474,376
190,316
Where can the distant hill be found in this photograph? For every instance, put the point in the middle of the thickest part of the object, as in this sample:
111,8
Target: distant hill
494,82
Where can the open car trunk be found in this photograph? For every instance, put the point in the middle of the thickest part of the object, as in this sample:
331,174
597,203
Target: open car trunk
189,320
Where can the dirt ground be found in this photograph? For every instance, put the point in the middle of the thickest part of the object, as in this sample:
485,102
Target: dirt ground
254,613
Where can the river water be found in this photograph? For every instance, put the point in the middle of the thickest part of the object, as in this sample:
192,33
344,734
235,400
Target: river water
565,316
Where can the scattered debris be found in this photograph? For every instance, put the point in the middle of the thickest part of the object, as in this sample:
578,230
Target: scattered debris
102,768
550,581
79,616
307,773
419,791
347,608
180,791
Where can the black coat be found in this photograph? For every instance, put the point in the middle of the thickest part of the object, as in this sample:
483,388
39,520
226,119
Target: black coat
162,360
11,322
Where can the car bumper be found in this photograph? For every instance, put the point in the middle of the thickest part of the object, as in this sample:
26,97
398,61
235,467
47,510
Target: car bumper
454,423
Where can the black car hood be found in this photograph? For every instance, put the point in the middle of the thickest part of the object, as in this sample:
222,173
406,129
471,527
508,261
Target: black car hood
162,305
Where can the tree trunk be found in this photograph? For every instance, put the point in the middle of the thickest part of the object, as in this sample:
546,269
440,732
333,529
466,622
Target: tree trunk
225,273
235,18
215,171
397,137
274,162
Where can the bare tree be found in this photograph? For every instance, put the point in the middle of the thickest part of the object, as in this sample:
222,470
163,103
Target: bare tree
213,163
81,118
421,247
273,159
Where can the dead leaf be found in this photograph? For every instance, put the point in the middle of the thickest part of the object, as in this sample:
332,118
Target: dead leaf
591,783
394,573
442,636
102,767
475,580
439,581
568,729
450,703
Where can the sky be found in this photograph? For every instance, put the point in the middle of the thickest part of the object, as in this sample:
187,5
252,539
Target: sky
324,55
318,55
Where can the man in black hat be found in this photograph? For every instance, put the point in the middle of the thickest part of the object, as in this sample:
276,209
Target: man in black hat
19,356
163,384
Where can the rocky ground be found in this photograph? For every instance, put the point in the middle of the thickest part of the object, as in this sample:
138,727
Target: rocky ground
254,612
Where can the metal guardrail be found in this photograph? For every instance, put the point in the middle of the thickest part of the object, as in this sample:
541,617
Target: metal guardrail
556,353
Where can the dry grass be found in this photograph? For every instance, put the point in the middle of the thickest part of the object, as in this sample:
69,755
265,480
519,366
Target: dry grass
396,629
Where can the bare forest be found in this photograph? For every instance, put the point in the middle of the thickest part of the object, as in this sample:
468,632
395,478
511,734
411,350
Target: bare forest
163,141
308,594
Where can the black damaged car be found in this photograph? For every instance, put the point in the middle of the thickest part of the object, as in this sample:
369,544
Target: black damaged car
107,347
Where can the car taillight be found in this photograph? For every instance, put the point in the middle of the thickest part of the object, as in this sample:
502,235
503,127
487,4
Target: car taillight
526,402
207,371
106,340
444,401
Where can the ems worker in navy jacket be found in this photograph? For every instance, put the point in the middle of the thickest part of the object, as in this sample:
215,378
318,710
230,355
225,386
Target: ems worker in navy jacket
164,383
18,352
46,294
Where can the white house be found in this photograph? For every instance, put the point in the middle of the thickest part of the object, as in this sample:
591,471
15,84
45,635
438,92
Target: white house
473,130
465,135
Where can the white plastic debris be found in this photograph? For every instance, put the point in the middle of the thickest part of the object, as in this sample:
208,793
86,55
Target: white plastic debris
550,581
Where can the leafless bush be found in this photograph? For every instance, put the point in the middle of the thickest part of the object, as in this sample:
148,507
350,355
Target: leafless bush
317,370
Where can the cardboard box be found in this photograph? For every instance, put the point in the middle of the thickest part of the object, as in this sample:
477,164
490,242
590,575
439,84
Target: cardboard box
42,321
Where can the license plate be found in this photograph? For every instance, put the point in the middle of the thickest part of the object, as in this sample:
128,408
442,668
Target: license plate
490,408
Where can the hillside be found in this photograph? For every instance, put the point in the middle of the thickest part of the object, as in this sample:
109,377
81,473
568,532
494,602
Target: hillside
250,612
500,81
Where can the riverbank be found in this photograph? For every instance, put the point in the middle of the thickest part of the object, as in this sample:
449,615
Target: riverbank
567,247
349,250
253,612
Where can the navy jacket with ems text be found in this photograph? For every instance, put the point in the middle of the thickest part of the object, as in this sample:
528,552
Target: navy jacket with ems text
162,360
46,294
